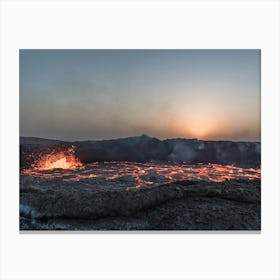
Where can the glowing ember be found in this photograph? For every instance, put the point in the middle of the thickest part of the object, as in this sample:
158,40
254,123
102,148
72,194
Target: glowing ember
136,174
64,159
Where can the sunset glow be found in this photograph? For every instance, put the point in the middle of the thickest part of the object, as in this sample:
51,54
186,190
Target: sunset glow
95,94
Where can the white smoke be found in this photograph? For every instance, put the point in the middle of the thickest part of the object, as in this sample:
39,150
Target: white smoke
182,152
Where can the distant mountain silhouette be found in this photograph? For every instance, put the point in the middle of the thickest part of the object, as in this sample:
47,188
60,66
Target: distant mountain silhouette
146,148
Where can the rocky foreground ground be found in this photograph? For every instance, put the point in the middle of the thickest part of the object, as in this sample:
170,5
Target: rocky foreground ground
183,205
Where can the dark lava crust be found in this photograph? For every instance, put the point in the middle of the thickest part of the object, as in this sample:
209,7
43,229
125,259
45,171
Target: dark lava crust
184,205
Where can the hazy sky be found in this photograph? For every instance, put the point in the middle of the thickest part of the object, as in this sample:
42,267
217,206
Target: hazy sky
104,94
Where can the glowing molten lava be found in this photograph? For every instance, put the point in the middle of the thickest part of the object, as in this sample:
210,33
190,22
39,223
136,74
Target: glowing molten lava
131,174
64,159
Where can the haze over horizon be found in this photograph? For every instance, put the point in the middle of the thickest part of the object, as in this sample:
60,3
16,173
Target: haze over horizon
107,94
133,136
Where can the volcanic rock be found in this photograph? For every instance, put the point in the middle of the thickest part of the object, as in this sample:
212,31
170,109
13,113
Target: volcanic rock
183,205
145,148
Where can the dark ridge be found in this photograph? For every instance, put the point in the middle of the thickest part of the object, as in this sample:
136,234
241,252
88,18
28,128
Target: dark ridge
145,148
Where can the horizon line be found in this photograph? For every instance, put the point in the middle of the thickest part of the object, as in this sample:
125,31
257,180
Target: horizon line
142,135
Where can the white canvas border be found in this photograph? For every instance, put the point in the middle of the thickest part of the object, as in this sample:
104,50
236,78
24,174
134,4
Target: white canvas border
146,24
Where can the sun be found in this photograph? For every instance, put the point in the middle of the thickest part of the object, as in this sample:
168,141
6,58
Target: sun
194,129
199,132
